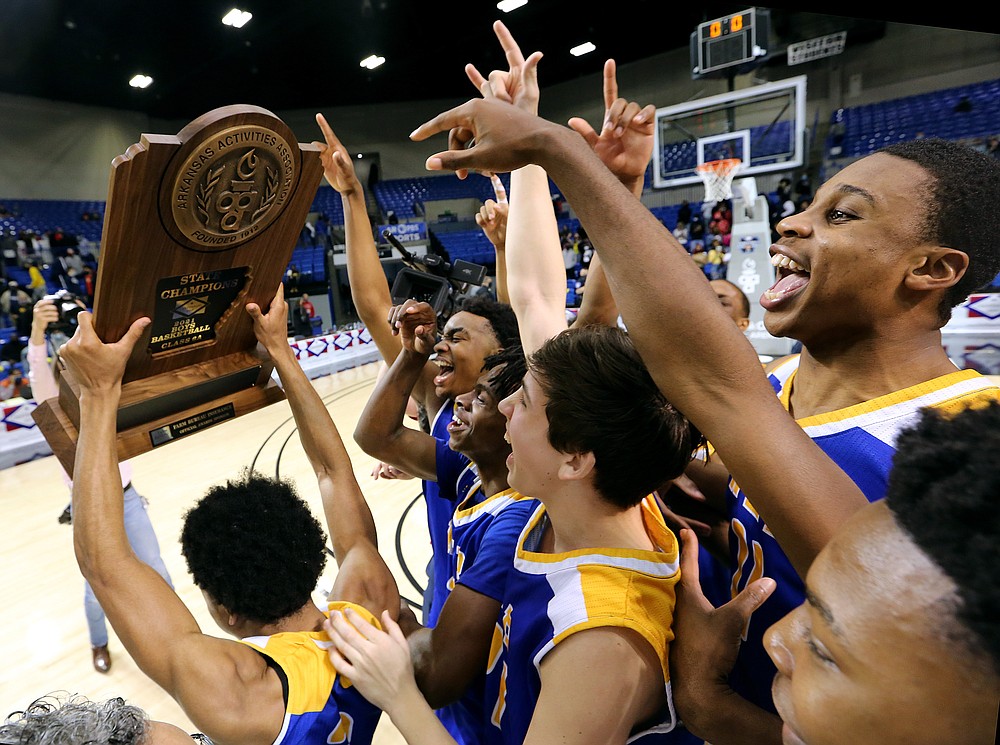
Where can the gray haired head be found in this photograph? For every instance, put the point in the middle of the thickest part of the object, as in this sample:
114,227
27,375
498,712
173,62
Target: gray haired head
74,720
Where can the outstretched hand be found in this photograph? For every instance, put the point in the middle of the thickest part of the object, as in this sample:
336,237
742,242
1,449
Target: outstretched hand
337,164
518,84
625,143
376,661
492,216
706,639
271,328
505,137
97,366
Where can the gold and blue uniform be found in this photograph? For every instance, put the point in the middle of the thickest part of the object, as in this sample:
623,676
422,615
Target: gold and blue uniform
482,538
321,706
861,440
551,596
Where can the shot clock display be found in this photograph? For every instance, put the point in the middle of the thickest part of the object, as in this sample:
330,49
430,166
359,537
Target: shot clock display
729,42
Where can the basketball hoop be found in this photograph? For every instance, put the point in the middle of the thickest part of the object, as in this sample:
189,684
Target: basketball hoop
718,177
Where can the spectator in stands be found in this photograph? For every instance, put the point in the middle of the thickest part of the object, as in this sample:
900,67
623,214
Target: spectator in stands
781,209
304,312
700,256
696,233
723,217
87,280
10,301
292,277
308,237
681,233
486,289
8,248
37,286
713,259
964,105
586,257
783,192
323,234
684,212
712,233
803,187
559,204
571,259
72,260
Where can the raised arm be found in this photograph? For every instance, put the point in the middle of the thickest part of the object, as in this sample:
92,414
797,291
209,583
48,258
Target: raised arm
536,275
364,577
492,218
381,430
624,145
699,358
40,375
369,286
220,684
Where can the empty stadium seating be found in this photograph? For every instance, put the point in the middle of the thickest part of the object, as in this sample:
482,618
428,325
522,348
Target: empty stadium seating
863,129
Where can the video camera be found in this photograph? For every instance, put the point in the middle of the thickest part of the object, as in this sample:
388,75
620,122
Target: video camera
431,279
69,307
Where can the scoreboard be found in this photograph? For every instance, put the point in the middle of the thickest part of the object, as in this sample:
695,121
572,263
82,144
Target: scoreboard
734,43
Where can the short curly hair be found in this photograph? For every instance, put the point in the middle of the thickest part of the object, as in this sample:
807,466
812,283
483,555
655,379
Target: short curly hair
500,316
507,369
255,547
63,719
942,492
963,181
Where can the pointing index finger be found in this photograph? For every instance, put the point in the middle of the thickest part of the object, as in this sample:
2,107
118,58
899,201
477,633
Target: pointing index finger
498,189
331,138
610,84
443,122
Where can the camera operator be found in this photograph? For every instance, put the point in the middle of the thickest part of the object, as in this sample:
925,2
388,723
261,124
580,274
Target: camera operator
51,320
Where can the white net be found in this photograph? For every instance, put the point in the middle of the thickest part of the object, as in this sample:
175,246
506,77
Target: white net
718,178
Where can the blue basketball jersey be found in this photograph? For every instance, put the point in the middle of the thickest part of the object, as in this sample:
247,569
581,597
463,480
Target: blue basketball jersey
551,596
482,539
455,476
481,542
321,706
861,440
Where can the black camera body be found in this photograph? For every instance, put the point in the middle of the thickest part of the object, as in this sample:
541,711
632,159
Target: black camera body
430,278
69,306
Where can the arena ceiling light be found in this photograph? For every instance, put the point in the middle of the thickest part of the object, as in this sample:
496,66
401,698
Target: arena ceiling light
237,18
508,5
581,49
140,81
372,61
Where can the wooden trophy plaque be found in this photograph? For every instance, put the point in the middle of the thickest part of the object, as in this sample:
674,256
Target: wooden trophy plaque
196,226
